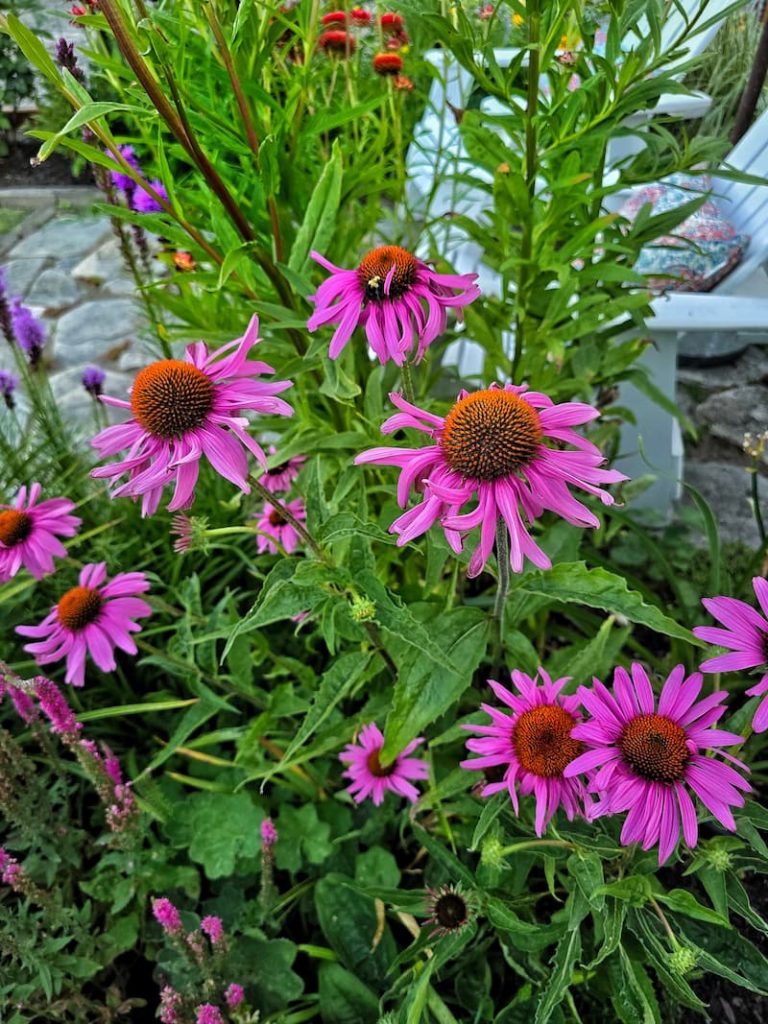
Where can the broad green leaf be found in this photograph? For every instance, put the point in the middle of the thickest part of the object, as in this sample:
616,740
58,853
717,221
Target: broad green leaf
266,967
222,827
521,934
574,583
319,222
348,921
304,838
344,999
567,953
684,902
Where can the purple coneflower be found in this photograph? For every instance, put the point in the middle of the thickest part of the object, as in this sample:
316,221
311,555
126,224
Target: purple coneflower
282,476
143,202
648,757
746,636
372,779
493,446
8,384
386,295
93,380
94,617
275,529
28,331
533,745
29,532
184,410
449,909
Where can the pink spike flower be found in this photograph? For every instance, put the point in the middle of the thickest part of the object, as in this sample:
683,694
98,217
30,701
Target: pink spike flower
503,446
533,745
387,295
94,617
370,778
745,634
277,530
29,532
645,758
183,410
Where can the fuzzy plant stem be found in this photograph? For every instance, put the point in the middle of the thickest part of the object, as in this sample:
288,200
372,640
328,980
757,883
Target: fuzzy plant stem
408,389
288,516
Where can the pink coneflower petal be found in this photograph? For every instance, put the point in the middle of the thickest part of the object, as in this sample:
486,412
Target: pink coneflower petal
645,761
29,532
94,617
532,746
372,779
746,636
490,448
386,295
184,410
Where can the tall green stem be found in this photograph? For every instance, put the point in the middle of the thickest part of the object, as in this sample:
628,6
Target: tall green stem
408,389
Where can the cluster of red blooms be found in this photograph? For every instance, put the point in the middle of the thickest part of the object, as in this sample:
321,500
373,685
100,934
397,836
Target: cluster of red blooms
78,10
337,40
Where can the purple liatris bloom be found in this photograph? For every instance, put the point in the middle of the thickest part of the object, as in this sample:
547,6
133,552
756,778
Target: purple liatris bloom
170,1005
55,708
745,635
183,410
506,448
28,330
268,834
275,529
30,531
143,202
8,384
648,757
22,703
370,778
93,380
207,1013
167,916
387,295
234,995
94,617
282,476
123,181
67,58
213,927
533,746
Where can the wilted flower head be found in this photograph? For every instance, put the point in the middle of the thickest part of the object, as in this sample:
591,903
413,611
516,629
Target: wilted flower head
28,330
370,778
182,410
93,380
387,295
449,909
745,635
492,446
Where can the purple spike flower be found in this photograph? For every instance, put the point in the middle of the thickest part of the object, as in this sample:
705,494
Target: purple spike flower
8,382
67,58
234,995
55,708
29,331
143,202
213,928
122,181
167,916
93,380
268,834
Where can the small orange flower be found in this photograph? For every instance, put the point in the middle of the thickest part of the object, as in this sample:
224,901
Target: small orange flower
182,260
403,83
387,64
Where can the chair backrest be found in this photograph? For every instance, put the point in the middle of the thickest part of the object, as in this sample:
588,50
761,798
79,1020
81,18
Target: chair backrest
746,204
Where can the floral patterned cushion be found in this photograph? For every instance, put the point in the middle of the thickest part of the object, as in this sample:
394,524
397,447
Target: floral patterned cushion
703,249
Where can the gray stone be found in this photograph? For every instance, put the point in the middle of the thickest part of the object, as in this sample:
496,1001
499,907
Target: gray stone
733,413
54,290
98,331
21,274
105,268
64,237
750,368
78,407
727,490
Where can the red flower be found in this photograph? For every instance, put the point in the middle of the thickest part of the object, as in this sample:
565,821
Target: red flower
337,41
396,41
183,260
77,10
334,18
391,21
387,64
360,16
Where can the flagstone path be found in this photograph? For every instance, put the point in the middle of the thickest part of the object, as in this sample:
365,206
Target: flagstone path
64,261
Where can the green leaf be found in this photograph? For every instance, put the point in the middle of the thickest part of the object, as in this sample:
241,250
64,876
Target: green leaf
348,921
632,993
33,49
217,828
265,967
377,867
426,689
684,902
303,837
344,999
90,112
574,583
612,921
567,953
135,709
521,934
319,224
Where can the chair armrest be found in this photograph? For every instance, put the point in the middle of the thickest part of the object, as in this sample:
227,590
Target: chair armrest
679,311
